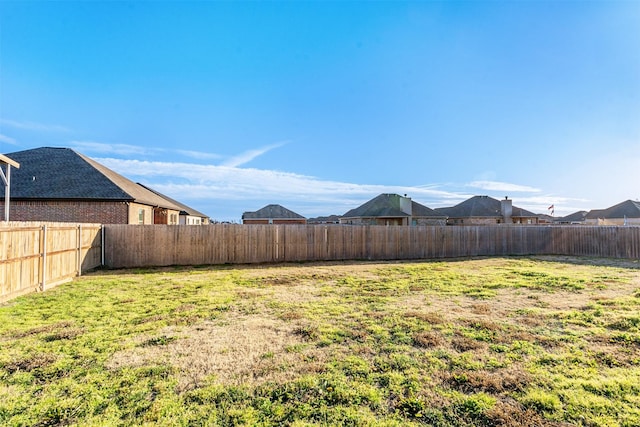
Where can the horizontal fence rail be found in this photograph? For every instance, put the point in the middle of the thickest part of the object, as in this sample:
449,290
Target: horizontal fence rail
162,245
37,256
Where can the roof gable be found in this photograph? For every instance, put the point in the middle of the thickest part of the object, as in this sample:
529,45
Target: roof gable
481,206
271,212
626,209
185,210
578,216
388,206
419,210
62,173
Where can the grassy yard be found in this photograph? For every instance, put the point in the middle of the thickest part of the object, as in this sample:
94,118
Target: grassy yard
480,342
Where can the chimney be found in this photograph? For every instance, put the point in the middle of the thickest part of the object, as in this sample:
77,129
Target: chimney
506,209
405,204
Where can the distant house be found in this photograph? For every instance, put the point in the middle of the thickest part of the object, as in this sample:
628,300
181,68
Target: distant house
188,215
331,219
576,218
62,185
485,210
625,213
273,214
546,219
392,209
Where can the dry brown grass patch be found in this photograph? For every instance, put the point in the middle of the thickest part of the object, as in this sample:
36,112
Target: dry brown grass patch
53,328
31,363
249,350
611,355
481,308
428,339
250,293
433,318
509,413
148,319
281,281
462,343
185,307
512,379
64,334
481,324
291,315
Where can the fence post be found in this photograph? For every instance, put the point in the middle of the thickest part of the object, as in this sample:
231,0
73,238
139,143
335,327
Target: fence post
326,242
43,270
79,260
102,244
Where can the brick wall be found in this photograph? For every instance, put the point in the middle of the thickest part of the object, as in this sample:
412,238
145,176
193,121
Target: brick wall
68,211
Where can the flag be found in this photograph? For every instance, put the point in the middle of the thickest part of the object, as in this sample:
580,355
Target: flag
552,208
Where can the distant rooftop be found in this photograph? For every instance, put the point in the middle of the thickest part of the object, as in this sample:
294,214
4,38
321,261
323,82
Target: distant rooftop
481,206
272,211
389,206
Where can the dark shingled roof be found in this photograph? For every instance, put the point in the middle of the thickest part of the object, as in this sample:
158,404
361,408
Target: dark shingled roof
185,210
388,206
64,174
481,206
628,209
574,217
272,212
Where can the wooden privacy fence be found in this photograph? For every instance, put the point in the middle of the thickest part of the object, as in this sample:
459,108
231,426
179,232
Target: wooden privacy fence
159,245
39,256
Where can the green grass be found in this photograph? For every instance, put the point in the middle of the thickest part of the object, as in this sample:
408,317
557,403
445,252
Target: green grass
479,342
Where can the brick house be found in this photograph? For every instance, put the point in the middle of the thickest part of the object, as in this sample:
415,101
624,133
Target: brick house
188,215
624,213
576,218
273,214
62,185
485,210
392,209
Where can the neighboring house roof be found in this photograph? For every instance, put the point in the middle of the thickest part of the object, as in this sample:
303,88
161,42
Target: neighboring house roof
626,209
481,206
389,206
324,219
185,210
64,174
545,217
272,212
579,216
595,214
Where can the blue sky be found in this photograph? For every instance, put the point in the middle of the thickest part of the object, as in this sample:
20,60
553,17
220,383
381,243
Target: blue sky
320,106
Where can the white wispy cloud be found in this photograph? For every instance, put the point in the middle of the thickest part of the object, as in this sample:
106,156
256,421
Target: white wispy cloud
225,189
103,148
541,203
8,140
127,150
502,186
198,154
249,155
196,181
33,126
